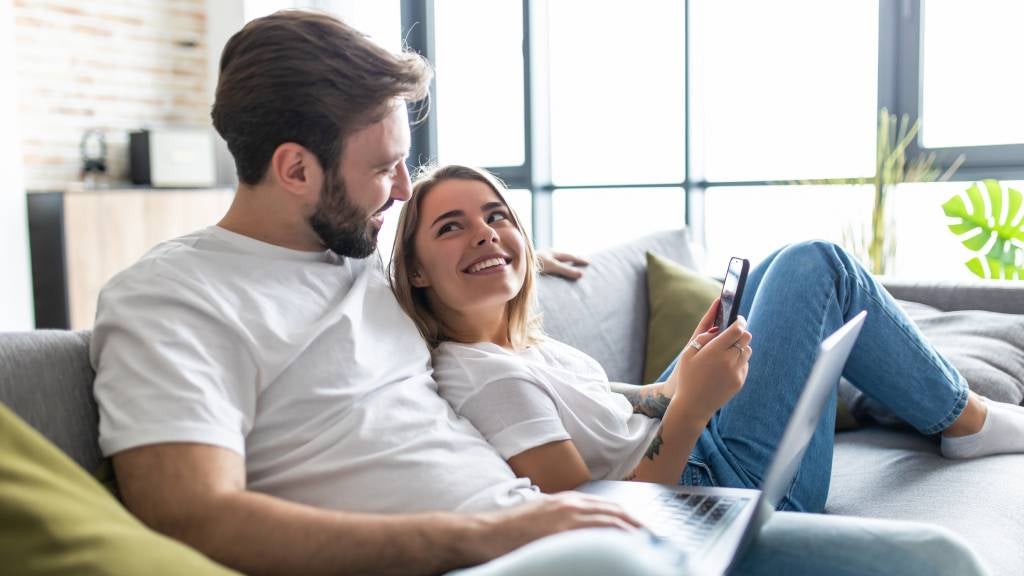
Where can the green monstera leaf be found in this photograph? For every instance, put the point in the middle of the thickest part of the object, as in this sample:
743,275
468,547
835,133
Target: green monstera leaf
992,226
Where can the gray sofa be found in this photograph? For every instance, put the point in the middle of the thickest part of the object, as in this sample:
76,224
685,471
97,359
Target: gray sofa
45,377
877,472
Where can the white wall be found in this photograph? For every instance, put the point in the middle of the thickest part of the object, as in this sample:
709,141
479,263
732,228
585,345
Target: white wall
15,272
106,64
223,19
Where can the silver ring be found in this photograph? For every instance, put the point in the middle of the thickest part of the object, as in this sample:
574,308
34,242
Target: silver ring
695,345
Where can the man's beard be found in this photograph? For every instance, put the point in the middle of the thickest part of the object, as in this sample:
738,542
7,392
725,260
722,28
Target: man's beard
341,225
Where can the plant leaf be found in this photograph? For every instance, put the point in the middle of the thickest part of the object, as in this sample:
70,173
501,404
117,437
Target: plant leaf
995,269
1002,232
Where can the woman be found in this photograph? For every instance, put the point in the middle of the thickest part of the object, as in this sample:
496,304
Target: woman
463,270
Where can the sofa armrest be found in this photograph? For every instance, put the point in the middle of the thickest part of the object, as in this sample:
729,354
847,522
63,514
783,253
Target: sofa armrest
995,296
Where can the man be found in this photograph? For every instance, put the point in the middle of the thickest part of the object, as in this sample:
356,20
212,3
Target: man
266,401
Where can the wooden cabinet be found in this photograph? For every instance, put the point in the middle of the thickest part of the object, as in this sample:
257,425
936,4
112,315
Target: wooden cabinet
81,238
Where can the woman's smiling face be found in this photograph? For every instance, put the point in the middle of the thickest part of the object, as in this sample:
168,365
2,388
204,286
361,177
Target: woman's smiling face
469,251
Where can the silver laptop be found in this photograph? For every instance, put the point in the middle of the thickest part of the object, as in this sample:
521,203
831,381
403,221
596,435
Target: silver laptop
713,527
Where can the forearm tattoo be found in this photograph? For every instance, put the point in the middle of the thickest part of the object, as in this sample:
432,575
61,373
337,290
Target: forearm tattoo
655,446
653,405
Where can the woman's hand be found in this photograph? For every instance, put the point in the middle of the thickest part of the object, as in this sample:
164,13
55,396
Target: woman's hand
705,329
712,367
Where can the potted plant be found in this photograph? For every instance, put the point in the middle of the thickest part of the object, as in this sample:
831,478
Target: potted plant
876,246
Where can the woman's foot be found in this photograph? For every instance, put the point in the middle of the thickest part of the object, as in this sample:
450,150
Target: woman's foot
985,428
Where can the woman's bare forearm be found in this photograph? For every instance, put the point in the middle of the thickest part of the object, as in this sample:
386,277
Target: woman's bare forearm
666,456
647,400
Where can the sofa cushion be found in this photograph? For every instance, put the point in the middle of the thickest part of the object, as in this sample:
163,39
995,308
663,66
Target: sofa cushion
47,381
987,348
59,520
605,313
882,473
678,299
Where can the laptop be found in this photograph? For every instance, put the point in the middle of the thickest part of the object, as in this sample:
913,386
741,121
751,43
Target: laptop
714,527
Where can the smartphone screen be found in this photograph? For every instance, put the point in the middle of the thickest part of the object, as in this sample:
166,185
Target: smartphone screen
732,292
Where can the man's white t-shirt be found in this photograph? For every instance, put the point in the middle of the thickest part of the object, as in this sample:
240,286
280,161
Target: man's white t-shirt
544,393
302,362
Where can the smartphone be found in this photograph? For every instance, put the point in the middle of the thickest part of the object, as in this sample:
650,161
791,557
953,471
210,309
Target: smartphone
732,292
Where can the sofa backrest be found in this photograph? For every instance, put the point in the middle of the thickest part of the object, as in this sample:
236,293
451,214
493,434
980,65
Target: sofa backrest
605,313
46,379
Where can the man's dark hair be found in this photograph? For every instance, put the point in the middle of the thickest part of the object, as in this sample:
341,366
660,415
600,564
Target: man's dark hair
308,78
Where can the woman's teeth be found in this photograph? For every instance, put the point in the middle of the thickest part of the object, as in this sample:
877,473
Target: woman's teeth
490,263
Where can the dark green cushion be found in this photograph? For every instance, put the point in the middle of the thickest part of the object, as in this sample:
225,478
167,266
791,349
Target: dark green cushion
678,299
56,519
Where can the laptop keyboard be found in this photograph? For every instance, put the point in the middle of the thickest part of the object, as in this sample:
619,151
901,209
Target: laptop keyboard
691,519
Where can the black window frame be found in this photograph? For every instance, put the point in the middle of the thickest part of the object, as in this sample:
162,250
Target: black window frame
1002,161
899,91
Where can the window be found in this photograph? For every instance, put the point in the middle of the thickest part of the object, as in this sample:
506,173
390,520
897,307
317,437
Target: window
479,79
617,91
972,83
576,77
786,89
639,116
587,220
753,221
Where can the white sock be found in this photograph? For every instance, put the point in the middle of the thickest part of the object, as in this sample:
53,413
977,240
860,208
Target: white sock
1002,433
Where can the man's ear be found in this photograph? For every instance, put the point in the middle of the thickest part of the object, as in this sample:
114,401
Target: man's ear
296,170
417,279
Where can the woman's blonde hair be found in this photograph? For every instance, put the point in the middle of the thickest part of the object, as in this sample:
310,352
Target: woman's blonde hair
523,323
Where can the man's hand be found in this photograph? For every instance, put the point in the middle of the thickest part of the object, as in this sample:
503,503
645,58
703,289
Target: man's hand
506,530
561,264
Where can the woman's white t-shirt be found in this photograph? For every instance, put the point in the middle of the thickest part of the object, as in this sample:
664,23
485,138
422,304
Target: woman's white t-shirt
547,392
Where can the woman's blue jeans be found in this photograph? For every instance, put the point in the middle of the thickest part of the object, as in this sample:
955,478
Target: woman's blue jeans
792,301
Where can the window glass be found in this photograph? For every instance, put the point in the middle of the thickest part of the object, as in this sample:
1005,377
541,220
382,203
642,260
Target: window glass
971,73
785,89
479,79
753,221
588,220
521,202
617,91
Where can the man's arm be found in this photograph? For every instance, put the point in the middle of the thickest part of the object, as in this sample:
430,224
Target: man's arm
561,264
196,493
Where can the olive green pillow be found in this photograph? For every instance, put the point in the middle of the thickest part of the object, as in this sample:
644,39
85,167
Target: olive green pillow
678,299
59,520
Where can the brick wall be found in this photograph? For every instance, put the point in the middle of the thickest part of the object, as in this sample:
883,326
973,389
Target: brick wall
117,65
